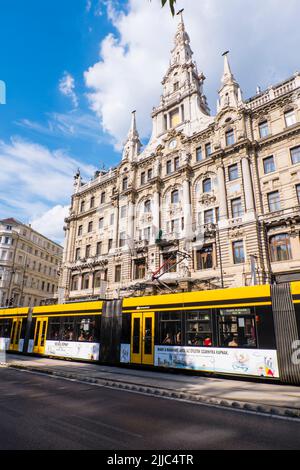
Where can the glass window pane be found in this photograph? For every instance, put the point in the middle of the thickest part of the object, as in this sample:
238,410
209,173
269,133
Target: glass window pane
269,165
238,252
136,336
148,336
237,208
290,118
295,154
263,129
170,328
208,150
199,155
230,137
280,248
199,328
54,333
233,172
274,201
237,328
207,185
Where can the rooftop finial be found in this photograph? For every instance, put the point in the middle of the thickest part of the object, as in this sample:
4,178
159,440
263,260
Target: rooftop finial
180,13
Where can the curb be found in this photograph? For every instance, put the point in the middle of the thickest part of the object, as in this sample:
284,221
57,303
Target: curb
249,407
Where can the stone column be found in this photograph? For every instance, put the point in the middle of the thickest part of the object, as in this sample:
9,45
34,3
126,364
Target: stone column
168,121
116,224
222,193
130,224
155,216
248,188
187,214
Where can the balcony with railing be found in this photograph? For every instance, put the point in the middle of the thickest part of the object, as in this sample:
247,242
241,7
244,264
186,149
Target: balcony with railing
274,92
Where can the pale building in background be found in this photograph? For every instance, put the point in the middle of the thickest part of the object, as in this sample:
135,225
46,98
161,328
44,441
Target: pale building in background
29,265
224,190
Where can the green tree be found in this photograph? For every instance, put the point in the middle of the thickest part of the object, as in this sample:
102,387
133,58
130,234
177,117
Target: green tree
171,3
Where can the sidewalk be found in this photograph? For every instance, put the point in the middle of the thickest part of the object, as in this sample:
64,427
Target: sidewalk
268,398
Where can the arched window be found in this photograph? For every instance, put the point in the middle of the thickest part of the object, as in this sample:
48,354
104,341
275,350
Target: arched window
147,206
75,282
207,185
175,196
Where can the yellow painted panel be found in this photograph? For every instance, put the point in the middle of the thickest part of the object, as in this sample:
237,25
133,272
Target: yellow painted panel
14,311
253,292
153,300
64,308
295,288
228,294
204,307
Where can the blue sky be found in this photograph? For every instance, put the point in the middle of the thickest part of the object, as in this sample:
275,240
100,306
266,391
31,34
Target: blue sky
39,41
75,69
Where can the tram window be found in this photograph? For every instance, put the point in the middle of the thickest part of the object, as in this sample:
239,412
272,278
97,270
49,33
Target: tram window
86,329
43,334
36,339
198,328
237,328
136,335
18,333
126,328
170,328
148,336
68,329
53,329
5,327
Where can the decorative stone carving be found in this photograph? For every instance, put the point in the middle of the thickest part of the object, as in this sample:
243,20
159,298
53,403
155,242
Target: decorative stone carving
236,233
207,199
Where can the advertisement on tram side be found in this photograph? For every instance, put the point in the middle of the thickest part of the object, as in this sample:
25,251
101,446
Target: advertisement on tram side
73,349
255,362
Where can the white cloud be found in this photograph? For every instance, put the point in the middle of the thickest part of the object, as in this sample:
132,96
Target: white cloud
88,6
67,88
33,179
51,223
75,125
262,38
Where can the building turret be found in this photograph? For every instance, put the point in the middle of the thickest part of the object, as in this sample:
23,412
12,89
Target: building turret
230,94
183,104
133,144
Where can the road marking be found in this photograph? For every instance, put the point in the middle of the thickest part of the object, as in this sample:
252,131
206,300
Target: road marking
182,400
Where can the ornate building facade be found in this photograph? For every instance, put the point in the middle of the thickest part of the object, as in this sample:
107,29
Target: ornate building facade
29,264
211,201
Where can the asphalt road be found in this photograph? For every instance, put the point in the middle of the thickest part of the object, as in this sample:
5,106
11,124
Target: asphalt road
40,412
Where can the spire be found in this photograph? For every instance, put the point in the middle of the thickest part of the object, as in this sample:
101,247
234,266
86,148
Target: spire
132,145
230,94
227,74
182,52
182,76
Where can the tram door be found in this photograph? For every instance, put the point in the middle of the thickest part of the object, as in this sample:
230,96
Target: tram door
15,334
142,338
40,335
